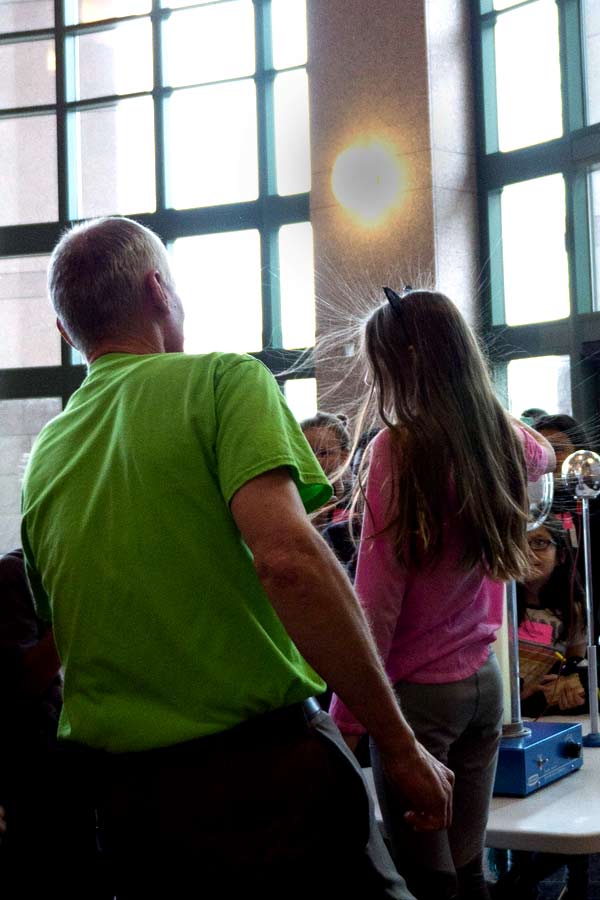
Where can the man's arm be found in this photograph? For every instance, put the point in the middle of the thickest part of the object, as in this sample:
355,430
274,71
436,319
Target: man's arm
315,601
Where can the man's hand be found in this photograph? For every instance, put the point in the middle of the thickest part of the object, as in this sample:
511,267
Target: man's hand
425,784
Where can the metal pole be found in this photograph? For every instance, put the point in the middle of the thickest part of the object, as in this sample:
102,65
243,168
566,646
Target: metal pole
593,737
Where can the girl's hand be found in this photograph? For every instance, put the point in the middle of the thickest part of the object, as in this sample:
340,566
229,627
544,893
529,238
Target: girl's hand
563,691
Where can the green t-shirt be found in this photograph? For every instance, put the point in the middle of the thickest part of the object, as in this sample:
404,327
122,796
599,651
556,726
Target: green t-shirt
163,628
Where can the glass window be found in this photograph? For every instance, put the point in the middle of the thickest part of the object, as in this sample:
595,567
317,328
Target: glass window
79,11
218,277
28,334
291,132
115,155
528,82
591,22
20,423
28,77
18,16
211,145
543,382
113,61
28,174
594,189
297,287
536,272
289,33
179,4
301,396
212,43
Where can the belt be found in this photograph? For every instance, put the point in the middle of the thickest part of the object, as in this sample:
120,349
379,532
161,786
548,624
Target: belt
311,707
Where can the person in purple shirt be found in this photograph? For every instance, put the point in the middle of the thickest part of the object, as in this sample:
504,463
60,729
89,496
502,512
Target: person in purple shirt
444,526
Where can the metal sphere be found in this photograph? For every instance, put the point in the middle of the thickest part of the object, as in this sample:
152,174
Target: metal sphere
540,495
581,473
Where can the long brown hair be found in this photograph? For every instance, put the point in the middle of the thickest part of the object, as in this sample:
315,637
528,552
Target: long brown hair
435,395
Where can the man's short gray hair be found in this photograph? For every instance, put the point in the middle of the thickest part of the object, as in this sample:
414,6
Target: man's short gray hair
96,277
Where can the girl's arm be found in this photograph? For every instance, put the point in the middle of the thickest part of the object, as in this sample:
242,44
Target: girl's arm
380,580
539,439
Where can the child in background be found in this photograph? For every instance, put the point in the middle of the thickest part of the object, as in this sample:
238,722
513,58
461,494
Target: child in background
550,612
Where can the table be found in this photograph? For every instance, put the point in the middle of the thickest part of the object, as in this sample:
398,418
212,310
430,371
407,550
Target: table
563,817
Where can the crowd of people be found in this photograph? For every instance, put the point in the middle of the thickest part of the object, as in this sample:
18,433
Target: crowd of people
197,568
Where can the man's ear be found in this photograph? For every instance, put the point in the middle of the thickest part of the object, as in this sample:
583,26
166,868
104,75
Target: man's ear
155,290
64,334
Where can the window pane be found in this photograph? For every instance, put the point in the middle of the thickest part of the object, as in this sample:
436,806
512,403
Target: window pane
536,273
28,174
115,153
543,382
211,149
117,61
221,312
594,189
20,423
28,77
528,76
292,143
178,4
505,4
28,334
288,19
94,10
297,285
591,12
18,16
301,396
210,44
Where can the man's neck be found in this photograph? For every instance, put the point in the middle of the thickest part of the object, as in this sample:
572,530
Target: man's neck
138,346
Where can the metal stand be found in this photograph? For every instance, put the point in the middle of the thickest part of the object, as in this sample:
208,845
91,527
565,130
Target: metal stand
581,471
593,738
515,728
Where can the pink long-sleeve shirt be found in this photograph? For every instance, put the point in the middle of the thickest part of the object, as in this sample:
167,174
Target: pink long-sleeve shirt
431,625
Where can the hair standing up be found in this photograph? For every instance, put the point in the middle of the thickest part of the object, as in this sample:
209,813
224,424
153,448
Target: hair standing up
566,425
96,273
435,395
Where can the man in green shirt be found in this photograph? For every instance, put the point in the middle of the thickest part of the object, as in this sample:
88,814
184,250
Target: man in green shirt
193,604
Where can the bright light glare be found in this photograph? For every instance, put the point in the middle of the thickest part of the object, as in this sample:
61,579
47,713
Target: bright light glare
528,76
297,290
543,382
288,18
219,281
301,396
367,180
536,270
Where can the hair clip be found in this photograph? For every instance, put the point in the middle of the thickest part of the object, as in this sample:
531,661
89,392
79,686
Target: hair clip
395,301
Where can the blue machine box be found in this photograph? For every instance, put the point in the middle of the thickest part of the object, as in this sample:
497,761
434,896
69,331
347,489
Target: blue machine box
526,764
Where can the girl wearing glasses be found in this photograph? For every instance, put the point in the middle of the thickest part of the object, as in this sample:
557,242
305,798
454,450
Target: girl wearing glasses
444,525
550,610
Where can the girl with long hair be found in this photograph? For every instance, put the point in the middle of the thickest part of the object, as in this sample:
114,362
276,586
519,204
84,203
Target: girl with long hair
444,525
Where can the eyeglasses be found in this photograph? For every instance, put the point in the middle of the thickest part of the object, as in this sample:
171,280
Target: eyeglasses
540,543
